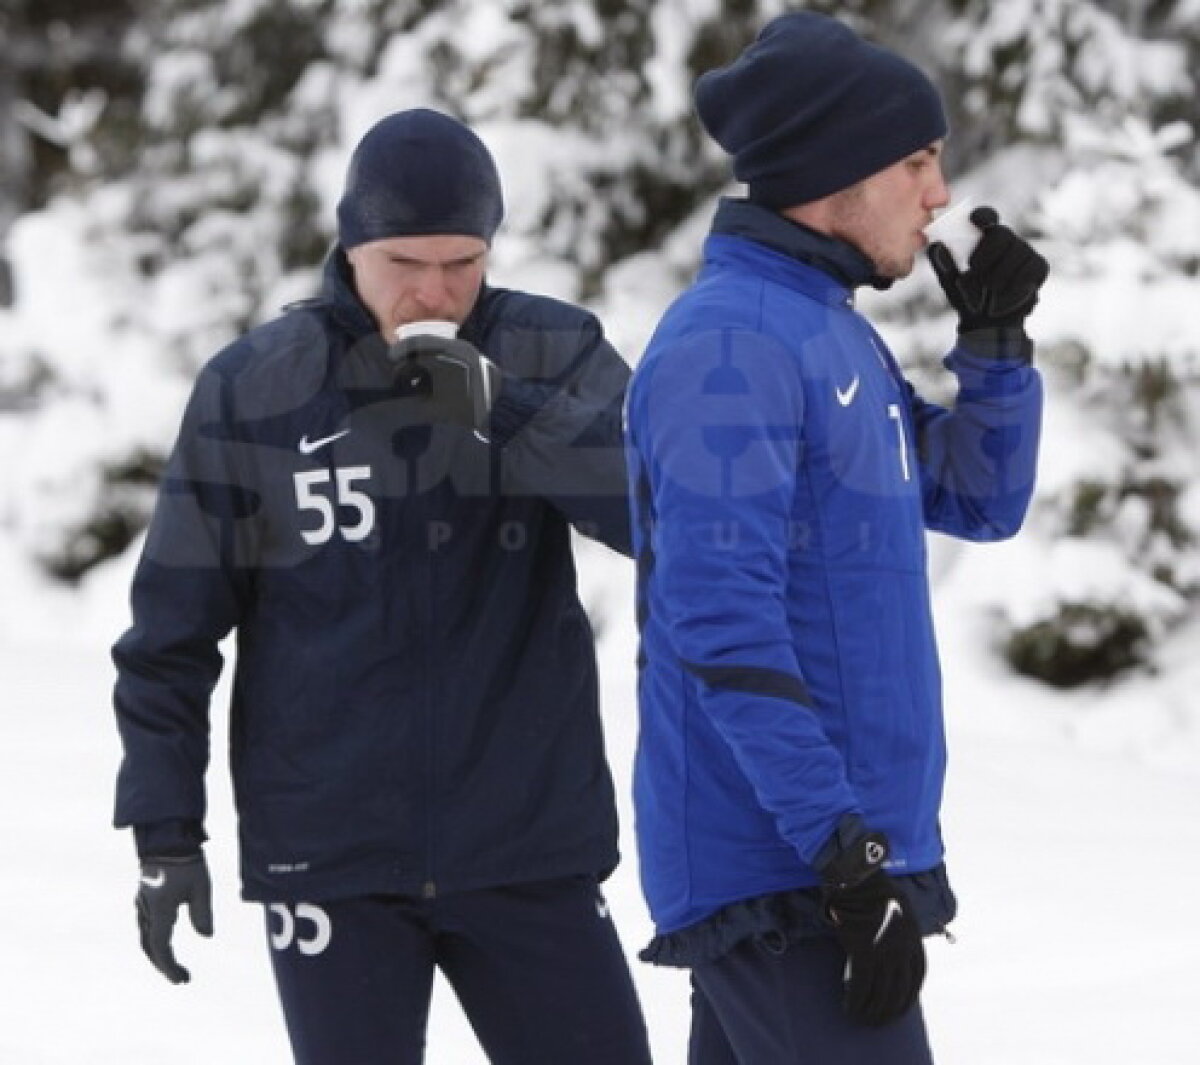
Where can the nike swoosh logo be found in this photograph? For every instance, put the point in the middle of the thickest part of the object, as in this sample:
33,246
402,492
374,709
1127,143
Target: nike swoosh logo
890,912
846,396
307,447
155,881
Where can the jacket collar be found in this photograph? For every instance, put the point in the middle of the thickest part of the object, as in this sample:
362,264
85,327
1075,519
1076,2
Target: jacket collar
841,262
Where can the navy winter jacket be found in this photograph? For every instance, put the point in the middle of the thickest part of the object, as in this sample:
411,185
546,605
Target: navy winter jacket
414,704
784,475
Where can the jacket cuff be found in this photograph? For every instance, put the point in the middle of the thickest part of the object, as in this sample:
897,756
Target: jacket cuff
850,830
169,839
1009,343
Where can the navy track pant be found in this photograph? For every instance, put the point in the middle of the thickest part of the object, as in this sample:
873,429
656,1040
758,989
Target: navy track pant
774,1004
537,968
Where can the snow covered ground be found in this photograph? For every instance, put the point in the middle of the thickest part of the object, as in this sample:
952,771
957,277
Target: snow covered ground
1073,831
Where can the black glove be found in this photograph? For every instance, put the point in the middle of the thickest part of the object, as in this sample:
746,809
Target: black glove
1000,285
454,380
165,885
885,958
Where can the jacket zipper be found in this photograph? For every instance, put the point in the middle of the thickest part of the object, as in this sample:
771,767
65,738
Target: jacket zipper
426,560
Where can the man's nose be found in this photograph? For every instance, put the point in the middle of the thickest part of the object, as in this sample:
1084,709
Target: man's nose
939,193
432,292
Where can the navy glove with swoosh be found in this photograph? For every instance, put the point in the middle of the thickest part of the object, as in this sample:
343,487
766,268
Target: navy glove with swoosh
885,958
164,886
453,379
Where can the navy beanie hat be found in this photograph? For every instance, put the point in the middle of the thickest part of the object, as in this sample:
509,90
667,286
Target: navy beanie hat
419,173
810,108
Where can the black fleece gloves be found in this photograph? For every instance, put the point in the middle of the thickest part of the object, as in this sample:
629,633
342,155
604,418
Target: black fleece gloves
1000,286
885,958
164,887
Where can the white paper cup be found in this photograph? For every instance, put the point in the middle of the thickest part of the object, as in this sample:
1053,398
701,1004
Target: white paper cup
429,327
954,228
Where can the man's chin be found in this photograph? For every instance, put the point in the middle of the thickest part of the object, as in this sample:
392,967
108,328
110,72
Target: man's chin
897,269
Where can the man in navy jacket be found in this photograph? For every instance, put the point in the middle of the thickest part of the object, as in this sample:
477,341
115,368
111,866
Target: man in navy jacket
784,474
414,731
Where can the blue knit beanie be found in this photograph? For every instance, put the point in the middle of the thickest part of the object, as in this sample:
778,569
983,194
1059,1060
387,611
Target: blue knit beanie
419,173
811,108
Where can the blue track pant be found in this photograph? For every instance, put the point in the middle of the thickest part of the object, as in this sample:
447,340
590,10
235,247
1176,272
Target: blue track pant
537,968
762,1006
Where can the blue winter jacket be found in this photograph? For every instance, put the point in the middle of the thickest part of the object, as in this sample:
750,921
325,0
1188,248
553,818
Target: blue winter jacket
414,705
784,474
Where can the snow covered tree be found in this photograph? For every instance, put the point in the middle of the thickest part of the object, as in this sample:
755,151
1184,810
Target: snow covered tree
208,202
62,64
1095,106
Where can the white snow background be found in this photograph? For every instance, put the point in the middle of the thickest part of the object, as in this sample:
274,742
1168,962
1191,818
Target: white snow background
1072,819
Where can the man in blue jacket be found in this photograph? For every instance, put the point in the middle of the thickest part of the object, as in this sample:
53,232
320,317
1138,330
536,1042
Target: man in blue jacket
414,731
791,756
